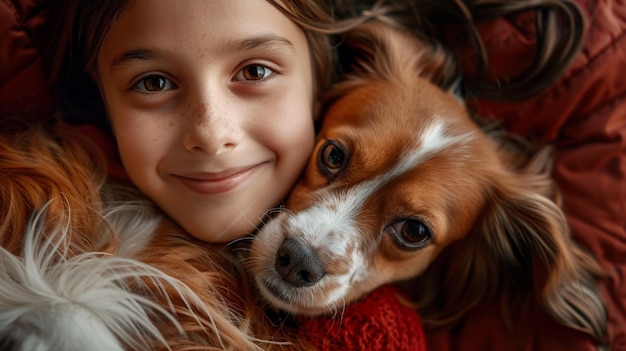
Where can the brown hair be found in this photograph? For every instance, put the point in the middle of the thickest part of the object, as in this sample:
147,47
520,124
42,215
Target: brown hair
559,36
77,36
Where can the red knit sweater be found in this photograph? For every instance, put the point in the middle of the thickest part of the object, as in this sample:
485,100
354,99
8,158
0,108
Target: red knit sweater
380,321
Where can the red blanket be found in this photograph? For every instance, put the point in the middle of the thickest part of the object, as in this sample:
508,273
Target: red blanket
583,115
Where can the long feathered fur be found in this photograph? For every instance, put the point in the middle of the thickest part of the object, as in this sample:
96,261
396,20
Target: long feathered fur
88,265
47,295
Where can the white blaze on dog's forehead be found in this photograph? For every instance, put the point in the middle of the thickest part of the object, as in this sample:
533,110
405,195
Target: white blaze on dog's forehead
432,139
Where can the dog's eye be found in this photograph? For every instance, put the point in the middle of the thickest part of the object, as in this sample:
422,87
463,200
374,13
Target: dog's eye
332,159
410,233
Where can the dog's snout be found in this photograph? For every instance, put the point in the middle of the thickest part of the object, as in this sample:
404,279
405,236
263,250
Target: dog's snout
298,264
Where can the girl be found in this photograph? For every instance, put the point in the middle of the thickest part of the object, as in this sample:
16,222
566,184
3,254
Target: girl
210,104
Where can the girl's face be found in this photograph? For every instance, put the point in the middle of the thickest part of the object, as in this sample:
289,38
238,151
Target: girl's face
211,106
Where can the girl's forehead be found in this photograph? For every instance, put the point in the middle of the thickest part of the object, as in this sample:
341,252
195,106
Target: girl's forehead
209,27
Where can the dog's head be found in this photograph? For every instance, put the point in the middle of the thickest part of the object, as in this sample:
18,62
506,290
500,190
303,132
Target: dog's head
401,173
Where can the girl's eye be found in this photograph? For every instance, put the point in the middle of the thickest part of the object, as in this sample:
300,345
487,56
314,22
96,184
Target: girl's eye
154,83
254,72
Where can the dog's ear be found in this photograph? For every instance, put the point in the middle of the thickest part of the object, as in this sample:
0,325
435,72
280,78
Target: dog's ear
520,250
533,255
376,49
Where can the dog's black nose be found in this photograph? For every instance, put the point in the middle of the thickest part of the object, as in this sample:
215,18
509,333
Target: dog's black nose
298,264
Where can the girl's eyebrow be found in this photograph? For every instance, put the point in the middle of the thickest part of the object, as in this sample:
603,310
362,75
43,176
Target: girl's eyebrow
263,41
135,54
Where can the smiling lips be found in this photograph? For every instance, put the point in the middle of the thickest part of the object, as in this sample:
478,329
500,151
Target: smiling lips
217,183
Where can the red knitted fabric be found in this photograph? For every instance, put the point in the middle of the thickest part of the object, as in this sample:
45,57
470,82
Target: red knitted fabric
379,321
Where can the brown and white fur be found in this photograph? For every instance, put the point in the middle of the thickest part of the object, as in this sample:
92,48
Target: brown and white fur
88,266
403,184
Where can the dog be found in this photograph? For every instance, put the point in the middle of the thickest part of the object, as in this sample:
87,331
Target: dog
87,265
405,186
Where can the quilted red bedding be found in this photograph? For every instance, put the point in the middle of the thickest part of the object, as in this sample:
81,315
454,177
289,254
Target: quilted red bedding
583,116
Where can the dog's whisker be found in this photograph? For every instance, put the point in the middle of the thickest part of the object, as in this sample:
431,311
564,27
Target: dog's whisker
239,240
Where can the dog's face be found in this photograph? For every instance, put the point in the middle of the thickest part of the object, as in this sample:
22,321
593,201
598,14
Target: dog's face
399,171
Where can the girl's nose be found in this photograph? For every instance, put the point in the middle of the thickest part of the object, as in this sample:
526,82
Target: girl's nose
212,129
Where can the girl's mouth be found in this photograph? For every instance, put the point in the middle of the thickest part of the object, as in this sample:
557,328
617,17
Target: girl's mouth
218,183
